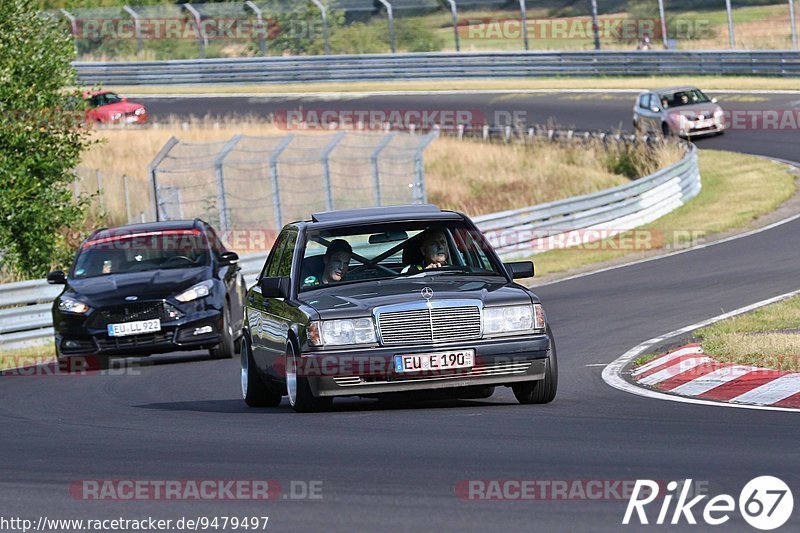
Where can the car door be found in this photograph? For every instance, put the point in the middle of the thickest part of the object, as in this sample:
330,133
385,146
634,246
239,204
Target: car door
270,318
649,117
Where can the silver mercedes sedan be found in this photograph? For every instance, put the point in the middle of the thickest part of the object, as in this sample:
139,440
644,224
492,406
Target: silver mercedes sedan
683,111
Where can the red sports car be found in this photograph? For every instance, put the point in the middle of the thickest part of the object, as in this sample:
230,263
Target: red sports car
107,107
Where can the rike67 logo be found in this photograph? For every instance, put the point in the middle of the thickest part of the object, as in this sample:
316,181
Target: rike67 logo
765,503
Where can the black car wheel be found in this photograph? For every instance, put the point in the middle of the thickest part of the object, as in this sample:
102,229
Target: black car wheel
254,391
300,396
227,346
543,390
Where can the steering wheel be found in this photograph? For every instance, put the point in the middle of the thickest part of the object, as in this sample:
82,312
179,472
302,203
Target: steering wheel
176,258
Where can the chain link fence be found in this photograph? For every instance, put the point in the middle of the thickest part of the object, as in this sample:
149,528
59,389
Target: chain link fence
253,182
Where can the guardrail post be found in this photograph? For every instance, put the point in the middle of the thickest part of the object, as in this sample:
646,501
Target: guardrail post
324,13
224,226
326,169
664,37
262,44
454,12
127,198
389,13
376,175
730,23
201,37
793,24
523,15
420,195
273,173
73,23
152,169
137,27
595,26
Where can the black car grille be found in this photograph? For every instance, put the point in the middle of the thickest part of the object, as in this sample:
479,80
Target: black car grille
439,324
131,312
134,341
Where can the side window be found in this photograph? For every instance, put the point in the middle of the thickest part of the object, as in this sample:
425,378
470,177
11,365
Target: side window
274,255
217,246
285,264
644,101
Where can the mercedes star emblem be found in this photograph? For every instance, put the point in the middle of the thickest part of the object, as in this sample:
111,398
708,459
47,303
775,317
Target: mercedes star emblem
427,293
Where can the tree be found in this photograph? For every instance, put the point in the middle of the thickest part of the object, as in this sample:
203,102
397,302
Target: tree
41,139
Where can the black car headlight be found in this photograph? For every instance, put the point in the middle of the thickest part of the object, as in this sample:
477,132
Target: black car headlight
342,332
509,319
201,290
72,306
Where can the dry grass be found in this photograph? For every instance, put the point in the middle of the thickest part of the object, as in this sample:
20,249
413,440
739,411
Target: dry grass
767,337
26,356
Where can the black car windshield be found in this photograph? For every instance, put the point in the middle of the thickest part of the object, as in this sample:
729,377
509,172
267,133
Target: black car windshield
387,251
684,97
138,252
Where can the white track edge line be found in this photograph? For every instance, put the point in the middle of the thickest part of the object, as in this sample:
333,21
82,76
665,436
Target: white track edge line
612,374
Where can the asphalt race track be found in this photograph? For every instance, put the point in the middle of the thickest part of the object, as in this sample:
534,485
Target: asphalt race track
396,467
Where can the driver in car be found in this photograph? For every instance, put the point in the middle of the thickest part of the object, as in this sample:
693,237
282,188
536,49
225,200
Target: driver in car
434,251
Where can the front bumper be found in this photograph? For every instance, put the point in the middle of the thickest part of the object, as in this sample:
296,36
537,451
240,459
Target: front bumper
176,335
370,371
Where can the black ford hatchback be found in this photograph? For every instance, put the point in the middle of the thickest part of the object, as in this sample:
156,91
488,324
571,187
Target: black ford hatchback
150,288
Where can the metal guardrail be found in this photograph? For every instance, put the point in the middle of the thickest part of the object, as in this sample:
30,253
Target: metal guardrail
25,318
439,65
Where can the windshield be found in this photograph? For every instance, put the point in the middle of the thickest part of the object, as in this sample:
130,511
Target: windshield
104,99
140,252
388,251
684,97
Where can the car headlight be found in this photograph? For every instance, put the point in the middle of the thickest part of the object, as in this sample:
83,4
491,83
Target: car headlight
69,305
512,319
116,116
342,332
200,290
139,111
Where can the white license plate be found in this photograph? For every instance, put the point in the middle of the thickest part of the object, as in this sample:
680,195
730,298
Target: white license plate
434,361
134,328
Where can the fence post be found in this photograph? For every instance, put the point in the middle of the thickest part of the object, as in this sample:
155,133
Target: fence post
262,44
73,23
224,226
454,11
388,7
324,12
595,26
523,15
100,188
793,24
127,197
376,175
201,37
137,28
730,23
664,36
326,169
420,195
152,169
273,173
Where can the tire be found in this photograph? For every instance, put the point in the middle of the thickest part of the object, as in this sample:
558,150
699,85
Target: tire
255,393
227,346
543,390
665,131
301,398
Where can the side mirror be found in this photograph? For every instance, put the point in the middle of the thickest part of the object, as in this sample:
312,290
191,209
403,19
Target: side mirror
520,269
57,277
714,100
228,258
655,109
275,287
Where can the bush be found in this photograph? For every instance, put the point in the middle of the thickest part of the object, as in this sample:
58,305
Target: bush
41,141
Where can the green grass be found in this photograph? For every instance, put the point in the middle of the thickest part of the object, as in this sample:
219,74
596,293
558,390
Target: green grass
768,337
736,190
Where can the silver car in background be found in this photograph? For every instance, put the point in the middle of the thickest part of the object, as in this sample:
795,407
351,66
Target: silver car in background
682,111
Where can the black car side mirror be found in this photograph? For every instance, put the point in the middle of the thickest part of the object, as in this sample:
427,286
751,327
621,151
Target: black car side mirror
57,277
228,258
520,269
275,287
